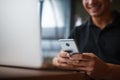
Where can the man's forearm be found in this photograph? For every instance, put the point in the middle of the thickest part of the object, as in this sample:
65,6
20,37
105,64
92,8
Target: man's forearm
113,73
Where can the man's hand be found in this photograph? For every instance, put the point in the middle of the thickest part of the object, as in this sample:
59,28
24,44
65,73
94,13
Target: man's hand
90,63
62,60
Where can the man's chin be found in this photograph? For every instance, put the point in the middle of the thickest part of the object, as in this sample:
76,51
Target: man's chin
95,15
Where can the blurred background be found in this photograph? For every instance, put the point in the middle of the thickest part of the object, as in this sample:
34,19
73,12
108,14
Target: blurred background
57,19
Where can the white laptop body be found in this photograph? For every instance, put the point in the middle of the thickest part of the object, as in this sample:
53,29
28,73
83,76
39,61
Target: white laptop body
20,33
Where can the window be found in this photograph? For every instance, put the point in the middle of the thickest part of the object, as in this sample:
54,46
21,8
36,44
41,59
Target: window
55,24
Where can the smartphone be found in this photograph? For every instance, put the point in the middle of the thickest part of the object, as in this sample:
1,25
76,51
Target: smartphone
69,45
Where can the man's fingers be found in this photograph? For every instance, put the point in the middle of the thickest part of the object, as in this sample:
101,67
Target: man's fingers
82,63
55,61
61,63
64,54
62,60
80,57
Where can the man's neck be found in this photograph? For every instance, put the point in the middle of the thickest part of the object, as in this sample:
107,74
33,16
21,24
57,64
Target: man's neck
102,21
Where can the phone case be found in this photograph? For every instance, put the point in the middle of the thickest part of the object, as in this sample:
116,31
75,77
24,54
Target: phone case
69,45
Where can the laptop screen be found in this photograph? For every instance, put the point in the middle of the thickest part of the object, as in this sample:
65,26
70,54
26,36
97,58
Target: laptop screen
20,33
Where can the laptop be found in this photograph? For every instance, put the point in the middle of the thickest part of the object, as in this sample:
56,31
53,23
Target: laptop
20,40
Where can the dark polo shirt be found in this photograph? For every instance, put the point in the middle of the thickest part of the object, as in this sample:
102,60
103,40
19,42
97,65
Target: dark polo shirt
104,43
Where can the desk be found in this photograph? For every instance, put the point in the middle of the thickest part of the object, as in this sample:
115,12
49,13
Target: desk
8,73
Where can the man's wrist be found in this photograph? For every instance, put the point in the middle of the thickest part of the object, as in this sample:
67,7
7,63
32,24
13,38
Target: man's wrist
107,74
103,75
113,73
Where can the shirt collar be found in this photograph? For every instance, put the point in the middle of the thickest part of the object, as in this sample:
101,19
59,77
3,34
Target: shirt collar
90,22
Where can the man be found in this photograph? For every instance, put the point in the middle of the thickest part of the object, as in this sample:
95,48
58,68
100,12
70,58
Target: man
99,42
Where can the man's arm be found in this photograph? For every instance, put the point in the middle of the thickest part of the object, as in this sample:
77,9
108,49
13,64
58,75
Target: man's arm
113,73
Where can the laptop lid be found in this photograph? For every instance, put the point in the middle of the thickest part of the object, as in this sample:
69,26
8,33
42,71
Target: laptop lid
20,33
